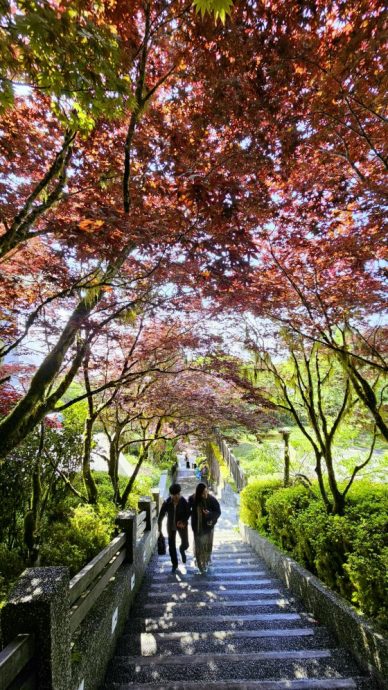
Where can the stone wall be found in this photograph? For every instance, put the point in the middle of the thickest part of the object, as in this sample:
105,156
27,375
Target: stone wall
368,646
95,640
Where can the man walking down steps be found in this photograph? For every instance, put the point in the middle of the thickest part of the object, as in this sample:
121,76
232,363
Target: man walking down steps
235,628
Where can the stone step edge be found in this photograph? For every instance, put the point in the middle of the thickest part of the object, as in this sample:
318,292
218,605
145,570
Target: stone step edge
299,684
220,567
222,593
211,576
227,657
225,634
220,619
243,603
184,585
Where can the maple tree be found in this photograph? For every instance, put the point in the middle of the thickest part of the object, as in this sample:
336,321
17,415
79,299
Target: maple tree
318,396
313,294
117,247
139,384
118,372
301,382
232,144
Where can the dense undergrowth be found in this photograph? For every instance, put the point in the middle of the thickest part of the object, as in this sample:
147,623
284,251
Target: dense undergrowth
349,553
72,531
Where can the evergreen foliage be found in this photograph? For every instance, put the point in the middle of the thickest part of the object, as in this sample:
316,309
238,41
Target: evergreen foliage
347,552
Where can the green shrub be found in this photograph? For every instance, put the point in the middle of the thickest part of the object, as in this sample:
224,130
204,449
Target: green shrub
75,542
253,502
367,565
323,544
11,566
366,498
349,553
282,508
141,487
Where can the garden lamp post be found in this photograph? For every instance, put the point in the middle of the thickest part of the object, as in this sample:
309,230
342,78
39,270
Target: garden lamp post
285,433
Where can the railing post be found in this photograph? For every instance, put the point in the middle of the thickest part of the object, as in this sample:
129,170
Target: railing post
39,605
146,505
156,497
126,521
163,484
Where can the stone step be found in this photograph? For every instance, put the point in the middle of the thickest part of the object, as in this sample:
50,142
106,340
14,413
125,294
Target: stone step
212,576
212,658
177,643
179,608
236,560
233,552
201,584
298,684
220,567
223,543
195,594
268,665
210,623
226,545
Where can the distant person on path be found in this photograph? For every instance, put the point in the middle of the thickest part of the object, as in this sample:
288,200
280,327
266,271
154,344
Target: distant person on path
205,511
187,461
174,470
177,510
205,474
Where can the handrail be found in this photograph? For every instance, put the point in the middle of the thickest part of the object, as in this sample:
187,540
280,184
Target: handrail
90,582
83,605
14,658
141,524
233,464
85,576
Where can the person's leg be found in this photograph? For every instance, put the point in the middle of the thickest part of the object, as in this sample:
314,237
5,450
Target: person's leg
199,552
210,546
172,549
184,536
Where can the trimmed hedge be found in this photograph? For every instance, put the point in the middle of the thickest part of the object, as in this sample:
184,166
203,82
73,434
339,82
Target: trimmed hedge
254,501
349,553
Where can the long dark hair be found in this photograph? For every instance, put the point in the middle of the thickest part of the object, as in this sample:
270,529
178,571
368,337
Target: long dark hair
199,492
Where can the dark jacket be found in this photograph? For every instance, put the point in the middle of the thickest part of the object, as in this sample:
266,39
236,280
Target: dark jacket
182,513
211,504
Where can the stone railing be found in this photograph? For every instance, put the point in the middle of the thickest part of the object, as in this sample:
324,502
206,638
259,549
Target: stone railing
233,464
60,633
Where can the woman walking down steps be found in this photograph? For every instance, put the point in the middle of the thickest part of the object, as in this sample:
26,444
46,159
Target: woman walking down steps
234,628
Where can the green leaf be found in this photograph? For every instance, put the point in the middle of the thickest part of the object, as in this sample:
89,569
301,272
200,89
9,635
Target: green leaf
220,8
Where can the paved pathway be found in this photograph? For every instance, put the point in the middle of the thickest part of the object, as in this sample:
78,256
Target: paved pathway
235,628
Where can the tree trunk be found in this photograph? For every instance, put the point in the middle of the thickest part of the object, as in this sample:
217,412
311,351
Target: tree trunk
338,498
132,480
32,518
113,468
32,408
321,484
89,482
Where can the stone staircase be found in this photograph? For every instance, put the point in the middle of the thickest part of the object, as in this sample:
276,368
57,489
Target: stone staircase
235,628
